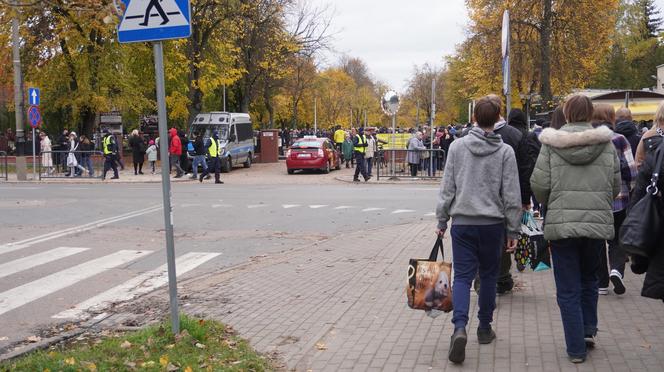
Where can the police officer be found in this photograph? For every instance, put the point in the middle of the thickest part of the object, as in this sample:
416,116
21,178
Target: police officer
359,150
110,149
213,150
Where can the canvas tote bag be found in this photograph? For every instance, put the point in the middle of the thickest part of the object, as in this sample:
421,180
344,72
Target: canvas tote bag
430,282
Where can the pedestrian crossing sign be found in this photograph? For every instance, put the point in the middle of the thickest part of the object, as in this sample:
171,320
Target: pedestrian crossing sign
154,20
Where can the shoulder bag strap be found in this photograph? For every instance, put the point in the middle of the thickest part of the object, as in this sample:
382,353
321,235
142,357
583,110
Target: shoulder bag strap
655,172
434,252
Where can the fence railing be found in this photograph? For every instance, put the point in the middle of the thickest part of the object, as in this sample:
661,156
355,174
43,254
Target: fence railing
397,164
58,164
4,171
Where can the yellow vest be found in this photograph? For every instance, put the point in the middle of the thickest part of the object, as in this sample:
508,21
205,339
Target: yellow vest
107,145
339,136
214,148
360,141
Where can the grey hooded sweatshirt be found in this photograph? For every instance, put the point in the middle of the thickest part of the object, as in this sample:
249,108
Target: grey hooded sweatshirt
481,184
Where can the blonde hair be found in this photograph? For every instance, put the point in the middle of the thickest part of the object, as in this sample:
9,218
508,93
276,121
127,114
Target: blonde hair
134,132
659,115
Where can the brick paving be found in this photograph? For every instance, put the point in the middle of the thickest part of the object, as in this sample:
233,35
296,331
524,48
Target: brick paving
340,306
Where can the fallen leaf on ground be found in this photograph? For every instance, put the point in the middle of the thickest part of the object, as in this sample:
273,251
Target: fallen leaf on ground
172,368
131,365
169,346
70,361
188,369
51,354
321,346
149,363
200,346
646,346
4,338
90,366
34,338
125,345
163,360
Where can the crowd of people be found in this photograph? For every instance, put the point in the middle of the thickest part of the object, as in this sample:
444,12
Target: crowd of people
582,170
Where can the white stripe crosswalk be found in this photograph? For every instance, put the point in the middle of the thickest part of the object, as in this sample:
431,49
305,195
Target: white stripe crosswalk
139,285
26,293
35,260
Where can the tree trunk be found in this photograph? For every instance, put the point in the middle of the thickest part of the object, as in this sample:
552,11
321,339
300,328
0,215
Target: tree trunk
267,97
545,54
194,94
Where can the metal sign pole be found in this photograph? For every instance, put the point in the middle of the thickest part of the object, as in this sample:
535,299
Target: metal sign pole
394,143
433,117
34,157
166,183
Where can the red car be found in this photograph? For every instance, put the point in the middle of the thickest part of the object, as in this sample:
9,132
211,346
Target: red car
312,153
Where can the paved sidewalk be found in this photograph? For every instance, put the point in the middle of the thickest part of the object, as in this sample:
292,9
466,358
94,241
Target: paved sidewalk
340,305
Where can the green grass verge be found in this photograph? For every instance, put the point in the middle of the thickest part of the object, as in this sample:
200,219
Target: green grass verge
202,345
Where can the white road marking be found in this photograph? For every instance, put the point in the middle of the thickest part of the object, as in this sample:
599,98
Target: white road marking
432,214
254,206
35,260
317,206
289,206
372,209
221,205
400,211
10,247
142,284
343,207
19,296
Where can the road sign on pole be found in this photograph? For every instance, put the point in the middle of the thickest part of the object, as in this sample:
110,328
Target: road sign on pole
156,20
507,87
153,20
33,96
34,116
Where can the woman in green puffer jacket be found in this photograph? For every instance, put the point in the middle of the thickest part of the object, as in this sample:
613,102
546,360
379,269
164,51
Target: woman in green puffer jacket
577,176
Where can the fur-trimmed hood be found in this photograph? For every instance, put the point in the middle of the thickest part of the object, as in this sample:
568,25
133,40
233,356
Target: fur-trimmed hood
577,143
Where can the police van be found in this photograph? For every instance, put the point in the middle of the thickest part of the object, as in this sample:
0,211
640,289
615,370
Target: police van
236,136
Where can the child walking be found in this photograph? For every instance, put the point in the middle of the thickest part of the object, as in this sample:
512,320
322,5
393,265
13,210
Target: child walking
151,152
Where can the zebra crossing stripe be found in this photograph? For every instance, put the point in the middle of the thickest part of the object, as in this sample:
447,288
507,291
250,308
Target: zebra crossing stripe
318,206
35,260
289,206
400,211
343,207
372,209
139,285
19,296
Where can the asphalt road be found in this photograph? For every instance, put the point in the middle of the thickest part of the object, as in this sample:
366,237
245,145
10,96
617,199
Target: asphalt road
67,249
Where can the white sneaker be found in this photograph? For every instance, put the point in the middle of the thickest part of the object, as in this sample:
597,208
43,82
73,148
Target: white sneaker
617,280
603,291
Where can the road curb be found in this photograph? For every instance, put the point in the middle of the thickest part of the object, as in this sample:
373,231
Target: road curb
386,182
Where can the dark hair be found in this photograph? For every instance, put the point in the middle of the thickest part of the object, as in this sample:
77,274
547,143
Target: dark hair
558,118
487,112
578,108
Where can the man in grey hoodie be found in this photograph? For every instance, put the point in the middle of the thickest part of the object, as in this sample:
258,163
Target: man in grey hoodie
480,192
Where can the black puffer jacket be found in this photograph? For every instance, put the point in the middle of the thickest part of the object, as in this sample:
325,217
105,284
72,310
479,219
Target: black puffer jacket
653,285
519,143
628,129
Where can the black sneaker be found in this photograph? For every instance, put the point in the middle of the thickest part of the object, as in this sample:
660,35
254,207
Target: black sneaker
356,180
485,335
457,353
504,288
617,280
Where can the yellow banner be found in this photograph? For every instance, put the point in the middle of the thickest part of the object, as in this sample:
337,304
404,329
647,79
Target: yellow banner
400,140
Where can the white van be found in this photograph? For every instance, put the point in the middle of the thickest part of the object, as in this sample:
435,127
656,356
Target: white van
236,136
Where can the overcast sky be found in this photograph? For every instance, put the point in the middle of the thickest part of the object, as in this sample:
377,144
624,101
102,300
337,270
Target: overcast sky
392,36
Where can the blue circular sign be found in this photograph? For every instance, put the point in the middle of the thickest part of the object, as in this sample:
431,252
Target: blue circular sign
34,116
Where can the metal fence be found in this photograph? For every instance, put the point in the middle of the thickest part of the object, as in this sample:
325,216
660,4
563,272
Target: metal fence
58,164
4,171
424,164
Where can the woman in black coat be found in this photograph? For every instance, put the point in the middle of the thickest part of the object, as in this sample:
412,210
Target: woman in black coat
653,285
137,151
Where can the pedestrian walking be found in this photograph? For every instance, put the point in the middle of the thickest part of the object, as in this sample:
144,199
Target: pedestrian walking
359,150
613,269
184,159
62,146
577,177
87,148
653,266
175,151
414,146
46,155
339,137
347,151
151,152
74,157
657,130
625,126
214,153
199,156
109,148
137,146
480,193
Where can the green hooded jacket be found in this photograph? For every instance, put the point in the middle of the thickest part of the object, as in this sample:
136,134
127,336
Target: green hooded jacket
577,176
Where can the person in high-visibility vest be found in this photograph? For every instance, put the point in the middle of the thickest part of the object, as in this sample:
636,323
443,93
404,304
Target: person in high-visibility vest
110,149
214,156
359,150
339,137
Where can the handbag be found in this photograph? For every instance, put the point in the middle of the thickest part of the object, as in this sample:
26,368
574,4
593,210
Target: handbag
641,232
531,248
429,284
71,158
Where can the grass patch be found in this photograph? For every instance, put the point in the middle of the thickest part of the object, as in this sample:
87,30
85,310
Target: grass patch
202,345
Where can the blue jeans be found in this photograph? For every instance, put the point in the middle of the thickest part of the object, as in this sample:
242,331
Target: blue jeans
575,265
369,162
476,248
199,160
86,161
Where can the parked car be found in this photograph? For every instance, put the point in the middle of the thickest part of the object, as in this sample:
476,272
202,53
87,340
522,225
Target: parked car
236,136
311,152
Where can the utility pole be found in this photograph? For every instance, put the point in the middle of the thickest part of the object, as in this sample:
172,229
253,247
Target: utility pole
18,84
417,115
315,115
224,97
